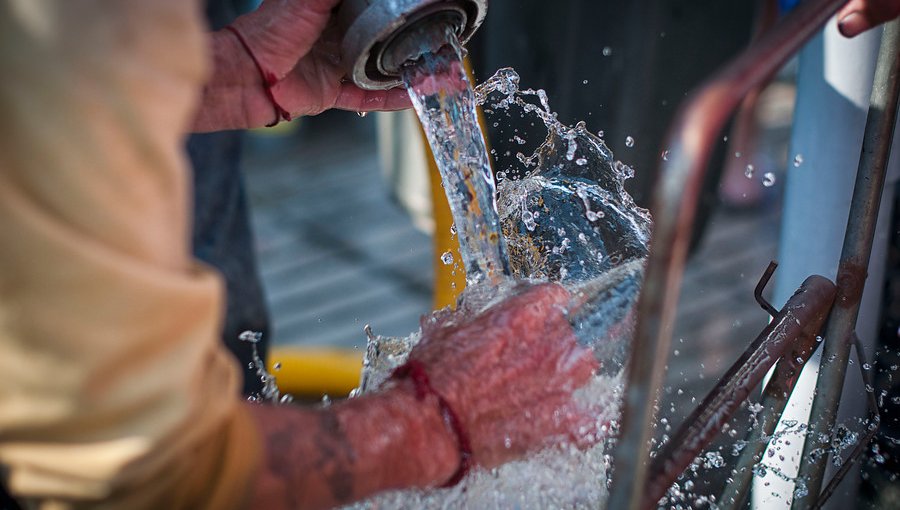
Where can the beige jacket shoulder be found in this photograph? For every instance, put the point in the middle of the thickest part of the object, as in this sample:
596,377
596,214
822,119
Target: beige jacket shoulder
114,390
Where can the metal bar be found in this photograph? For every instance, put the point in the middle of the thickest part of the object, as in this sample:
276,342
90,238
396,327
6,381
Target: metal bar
774,400
690,142
855,254
801,317
874,421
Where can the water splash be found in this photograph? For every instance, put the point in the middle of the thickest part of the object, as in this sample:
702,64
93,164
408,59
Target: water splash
269,392
557,477
570,222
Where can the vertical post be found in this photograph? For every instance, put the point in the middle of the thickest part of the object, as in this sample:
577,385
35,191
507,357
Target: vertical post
855,254
834,84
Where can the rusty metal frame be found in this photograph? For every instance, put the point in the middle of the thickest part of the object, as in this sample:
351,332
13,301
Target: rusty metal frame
857,248
689,143
774,399
795,325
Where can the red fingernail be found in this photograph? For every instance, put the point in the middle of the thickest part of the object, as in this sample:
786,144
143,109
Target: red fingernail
852,24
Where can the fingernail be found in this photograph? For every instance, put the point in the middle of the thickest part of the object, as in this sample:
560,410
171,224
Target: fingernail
852,24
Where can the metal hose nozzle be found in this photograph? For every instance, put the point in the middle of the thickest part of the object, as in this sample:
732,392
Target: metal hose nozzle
379,36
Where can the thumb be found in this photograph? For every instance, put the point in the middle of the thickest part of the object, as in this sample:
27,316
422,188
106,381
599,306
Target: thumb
860,15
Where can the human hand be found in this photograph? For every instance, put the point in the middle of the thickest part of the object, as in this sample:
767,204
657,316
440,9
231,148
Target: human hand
296,44
509,374
860,15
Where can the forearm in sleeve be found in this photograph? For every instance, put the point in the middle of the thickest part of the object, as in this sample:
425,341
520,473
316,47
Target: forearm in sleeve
114,390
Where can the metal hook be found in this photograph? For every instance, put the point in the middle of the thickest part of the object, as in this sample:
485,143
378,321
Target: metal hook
763,281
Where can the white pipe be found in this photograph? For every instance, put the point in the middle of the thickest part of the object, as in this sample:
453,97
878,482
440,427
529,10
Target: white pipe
833,86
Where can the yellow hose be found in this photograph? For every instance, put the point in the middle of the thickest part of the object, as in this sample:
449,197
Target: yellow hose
315,371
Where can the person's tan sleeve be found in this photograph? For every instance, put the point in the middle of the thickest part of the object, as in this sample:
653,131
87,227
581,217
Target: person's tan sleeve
114,389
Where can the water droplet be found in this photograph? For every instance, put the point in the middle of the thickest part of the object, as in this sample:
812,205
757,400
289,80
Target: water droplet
798,160
768,179
447,258
629,141
714,459
528,220
665,155
867,366
737,154
250,336
624,171
748,172
607,51
276,366
362,114
580,161
600,134
585,82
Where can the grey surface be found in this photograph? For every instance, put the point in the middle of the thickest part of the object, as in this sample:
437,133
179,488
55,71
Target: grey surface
335,252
